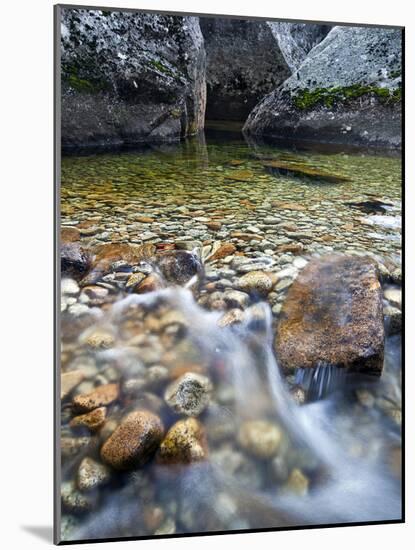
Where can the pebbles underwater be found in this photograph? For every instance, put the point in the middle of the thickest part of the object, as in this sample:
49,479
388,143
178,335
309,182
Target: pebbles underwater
175,414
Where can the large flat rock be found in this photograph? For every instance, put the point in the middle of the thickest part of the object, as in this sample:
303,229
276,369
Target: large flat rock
332,315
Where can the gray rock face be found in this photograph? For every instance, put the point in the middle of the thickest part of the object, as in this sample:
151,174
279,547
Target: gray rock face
297,39
129,77
244,63
347,90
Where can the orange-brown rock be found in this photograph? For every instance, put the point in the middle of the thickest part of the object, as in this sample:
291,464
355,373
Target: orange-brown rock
332,315
288,206
151,283
226,249
134,441
106,254
213,225
93,420
295,248
70,235
184,443
100,397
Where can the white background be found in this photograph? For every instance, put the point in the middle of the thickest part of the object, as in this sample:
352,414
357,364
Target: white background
26,218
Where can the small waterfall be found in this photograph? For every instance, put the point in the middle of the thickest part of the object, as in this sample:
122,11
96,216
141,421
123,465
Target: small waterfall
321,381
328,469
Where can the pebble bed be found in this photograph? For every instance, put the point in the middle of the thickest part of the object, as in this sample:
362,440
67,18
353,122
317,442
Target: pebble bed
253,230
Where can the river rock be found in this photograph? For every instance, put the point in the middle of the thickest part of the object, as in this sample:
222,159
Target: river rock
93,420
100,397
189,394
73,446
347,90
332,315
100,339
69,381
260,438
134,441
75,260
69,287
297,483
236,298
394,297
73,500
178,266
255,282
151,283
393,319
223,250
184,443
244,63
106,256
92,474
231,317
129,77
70,235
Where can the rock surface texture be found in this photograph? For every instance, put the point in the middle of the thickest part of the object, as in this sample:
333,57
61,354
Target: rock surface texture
347,90
244,63
129,77
134,441
297,39
333,315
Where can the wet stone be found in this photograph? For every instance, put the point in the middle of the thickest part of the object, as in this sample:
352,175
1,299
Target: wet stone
73,500
332,315
100,397
255,282
69,381
92,474
134,441
185,442
260,438
189,394
93,420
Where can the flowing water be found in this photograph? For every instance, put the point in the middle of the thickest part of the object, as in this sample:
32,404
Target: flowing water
338,455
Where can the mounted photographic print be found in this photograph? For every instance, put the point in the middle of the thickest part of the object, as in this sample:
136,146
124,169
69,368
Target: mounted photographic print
228,278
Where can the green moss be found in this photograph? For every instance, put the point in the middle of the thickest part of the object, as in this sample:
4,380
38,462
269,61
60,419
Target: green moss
160,67
306,99
81,84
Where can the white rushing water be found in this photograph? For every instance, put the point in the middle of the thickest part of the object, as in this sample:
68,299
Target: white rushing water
341,447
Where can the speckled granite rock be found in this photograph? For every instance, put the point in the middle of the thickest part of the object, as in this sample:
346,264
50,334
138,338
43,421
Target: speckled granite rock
244,63
128,77
347,90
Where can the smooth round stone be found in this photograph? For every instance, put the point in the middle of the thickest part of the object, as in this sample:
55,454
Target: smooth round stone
73,500
255,282
92,474
134,441
69,287
260,438
393,296
184,443
189,394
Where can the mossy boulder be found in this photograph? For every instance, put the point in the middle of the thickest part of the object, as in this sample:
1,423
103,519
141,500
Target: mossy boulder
347,90
129,77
